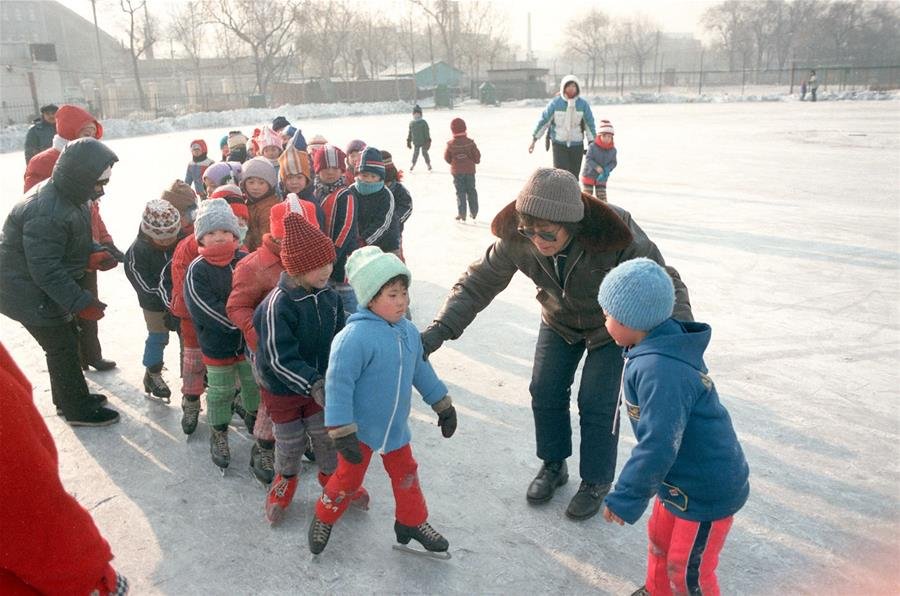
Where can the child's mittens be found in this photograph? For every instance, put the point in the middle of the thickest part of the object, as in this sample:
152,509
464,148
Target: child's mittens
346,443
446,416
101,260
317,392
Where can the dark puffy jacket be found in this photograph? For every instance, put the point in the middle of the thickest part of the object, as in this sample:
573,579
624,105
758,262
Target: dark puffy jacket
418,132
608,237
379,221
46,240
38,138
402,201
206,290
144,264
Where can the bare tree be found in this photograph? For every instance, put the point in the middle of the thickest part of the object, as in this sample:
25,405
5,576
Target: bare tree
187,28
641,38
445,16
480,25
139,39
327,31
587,35
266,27
727,22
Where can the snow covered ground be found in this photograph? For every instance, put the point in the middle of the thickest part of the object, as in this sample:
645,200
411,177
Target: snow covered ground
784,221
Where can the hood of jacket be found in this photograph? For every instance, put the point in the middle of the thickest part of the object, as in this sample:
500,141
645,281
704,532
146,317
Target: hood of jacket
79,167
601,228
681,340
565,81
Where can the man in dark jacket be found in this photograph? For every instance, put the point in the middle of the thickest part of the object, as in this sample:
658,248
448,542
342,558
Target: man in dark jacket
565,242
40,135
45,248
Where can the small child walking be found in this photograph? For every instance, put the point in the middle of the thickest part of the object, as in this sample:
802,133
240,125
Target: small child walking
197,166
206,289
687,452
462,154
373,365
599,161
419,138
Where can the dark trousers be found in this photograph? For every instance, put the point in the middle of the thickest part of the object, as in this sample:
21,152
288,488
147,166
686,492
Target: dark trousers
466,193
67,385
555,363
424,150
568,158
88,342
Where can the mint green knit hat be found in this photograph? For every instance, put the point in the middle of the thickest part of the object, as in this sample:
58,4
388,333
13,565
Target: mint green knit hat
368,269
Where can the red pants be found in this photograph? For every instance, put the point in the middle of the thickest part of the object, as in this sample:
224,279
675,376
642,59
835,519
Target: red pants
683,554
287,408
344,483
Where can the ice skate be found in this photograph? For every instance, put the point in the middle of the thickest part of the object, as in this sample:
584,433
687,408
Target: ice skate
434,544
155,386
190,414
218,448
360,499
262,464
319,533
279,498
237,406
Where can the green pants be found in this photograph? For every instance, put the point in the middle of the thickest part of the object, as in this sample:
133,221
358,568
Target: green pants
220,392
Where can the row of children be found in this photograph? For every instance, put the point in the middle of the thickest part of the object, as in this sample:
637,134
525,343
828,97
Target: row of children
280,302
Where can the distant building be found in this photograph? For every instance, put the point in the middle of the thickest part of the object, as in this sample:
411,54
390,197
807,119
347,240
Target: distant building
519,80
428,76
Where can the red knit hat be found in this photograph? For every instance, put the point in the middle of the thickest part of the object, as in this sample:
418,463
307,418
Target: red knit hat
458,127
329,156
234,197
304,248
292,204
200,143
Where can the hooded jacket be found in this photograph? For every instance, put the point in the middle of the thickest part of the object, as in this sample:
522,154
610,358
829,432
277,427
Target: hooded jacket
373,367
47,240
687,452
69,121
608,237
564,117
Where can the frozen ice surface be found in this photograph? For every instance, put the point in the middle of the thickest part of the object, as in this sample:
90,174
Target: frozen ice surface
782,219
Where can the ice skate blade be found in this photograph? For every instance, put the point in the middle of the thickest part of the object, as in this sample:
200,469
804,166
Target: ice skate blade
440,556
159,400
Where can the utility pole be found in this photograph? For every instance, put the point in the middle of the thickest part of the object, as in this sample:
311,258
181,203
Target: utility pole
100,59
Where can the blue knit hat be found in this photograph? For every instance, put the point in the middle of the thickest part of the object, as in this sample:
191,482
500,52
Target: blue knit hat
371,161
638,293
368,269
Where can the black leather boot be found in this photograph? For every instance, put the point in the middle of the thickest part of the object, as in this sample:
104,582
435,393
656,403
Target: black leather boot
552,475
587,501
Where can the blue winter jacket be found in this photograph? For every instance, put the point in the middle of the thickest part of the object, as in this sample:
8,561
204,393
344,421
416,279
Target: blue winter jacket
687,452
564,117
374,366
206,290
598,156
295,329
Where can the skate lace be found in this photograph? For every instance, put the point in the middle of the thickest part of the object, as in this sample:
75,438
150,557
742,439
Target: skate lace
321,531
281,488
267,459
157,382
220,440
594,489
428,532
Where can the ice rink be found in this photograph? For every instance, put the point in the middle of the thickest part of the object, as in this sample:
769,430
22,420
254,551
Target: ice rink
783,220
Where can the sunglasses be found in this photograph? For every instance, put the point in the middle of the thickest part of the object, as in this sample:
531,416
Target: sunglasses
530,234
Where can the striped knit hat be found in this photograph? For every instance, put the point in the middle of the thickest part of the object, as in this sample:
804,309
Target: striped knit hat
605,127
292,204
293,162
304,248
329,156
269,138
371,161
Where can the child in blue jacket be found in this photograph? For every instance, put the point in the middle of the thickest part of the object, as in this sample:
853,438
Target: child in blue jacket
375,361
599,161
687,452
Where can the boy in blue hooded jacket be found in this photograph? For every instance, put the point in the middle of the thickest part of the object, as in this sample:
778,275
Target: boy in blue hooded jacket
687,452
374,363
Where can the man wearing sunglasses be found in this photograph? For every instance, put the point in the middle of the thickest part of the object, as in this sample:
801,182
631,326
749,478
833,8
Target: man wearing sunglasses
566,242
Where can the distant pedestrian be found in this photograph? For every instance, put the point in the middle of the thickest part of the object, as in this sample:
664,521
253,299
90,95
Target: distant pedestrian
803,90
419,138
599,161
568,117
813,85
462,154
40,135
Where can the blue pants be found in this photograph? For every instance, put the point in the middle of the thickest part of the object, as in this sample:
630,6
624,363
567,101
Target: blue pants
465,193
555,363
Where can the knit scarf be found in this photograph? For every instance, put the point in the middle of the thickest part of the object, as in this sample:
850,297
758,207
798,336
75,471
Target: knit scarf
219,254
199,158
599,142
323,189
368,188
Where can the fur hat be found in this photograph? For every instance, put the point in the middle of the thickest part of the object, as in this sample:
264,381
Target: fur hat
552,195
368,269
223,172
236,138
181,196
606,127
329,156
638,293
293,162
279,123
259,167
355,145
304,248
458,127
71,119
292,204
199,143
161,220
371,161
269,138
215,214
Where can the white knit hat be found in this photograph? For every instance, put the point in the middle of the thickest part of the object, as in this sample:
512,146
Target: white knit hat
161,220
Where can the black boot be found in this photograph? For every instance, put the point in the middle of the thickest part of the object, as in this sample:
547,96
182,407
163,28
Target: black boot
587,501
98,416
155,385
190,413
99,364
94,400
424,534
319,533
552,475
642,591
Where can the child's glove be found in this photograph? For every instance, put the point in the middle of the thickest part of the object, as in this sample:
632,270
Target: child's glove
433,337
114,251
446,416
92,312
317,392
346,443
101,260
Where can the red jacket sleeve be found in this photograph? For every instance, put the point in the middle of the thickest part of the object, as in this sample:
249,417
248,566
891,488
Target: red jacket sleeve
98,228
40,167
245,295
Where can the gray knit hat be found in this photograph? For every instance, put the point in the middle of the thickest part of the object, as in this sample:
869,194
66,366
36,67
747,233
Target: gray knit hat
551,194
215,214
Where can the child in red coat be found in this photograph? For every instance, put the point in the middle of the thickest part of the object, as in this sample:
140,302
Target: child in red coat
462,154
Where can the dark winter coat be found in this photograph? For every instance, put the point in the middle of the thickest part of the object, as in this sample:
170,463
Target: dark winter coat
341,226
597,156
608,237
687,452
144,265
206,290
38,138
379,220
295,328
462,154
419,134
47,242
402,202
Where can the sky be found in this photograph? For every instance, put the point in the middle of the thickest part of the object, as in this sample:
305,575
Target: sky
548,18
